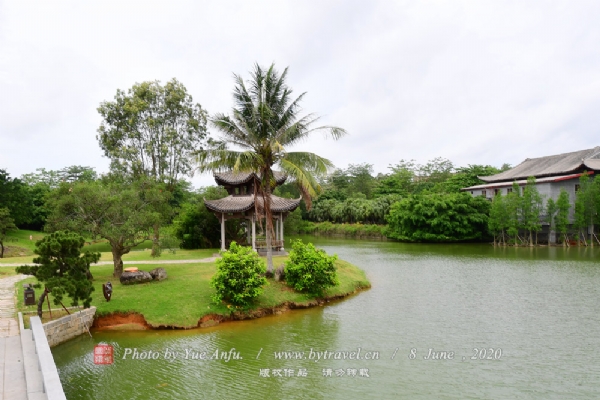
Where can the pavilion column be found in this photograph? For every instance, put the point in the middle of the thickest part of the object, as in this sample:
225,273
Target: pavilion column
248,231
253,233
222,231
281,235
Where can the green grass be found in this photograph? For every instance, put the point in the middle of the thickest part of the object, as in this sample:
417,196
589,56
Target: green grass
19,245
133,255
185,296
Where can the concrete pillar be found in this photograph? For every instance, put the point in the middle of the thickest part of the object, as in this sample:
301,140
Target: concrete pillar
222,231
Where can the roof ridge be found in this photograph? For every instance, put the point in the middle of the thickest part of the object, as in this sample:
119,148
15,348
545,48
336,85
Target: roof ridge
562,154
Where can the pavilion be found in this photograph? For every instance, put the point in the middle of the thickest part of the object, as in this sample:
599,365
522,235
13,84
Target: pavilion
241,203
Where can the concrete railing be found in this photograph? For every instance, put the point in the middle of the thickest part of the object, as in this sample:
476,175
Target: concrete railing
52,385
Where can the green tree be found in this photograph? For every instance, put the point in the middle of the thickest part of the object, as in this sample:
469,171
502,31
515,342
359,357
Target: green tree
467,176
531,205
399,182
124,215
264,124
436,217
563,205
239,277
310,269
151,131
196,226
586,200
14,196
551,209
498,217
7,224
62,269
513,213
74,173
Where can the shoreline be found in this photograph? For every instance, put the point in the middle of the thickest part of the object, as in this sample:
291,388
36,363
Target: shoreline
133,320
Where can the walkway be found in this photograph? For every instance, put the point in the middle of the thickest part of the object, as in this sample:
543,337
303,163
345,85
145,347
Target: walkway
125,262
12,373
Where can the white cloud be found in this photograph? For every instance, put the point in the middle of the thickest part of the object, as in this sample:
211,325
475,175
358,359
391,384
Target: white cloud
475,82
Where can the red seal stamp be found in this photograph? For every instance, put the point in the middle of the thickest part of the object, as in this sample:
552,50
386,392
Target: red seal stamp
103,354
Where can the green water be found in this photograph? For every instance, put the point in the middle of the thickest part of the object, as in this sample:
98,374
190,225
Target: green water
531,313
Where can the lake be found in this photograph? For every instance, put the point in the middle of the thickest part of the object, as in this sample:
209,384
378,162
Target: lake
462,321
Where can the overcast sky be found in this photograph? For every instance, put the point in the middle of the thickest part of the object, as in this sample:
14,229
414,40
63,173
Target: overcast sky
476,82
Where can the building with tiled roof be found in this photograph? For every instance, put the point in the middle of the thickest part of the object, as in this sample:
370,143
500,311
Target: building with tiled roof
552,173
242,203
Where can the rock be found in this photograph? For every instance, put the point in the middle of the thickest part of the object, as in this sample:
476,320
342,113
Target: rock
131,278
158,274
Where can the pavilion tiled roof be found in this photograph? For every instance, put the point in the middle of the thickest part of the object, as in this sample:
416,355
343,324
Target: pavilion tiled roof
235,204
559,164
238,178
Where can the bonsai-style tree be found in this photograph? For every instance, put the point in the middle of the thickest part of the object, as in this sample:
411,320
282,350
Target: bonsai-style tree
62,269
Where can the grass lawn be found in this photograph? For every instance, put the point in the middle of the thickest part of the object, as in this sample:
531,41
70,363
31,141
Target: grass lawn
185,296
19,245
136,254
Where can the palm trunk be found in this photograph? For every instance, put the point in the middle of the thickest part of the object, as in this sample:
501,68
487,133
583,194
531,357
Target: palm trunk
269,227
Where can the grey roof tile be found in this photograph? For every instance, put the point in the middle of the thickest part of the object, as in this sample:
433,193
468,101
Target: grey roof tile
238,178
233,204
558,164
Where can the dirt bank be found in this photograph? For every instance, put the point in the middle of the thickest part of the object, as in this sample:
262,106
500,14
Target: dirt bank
136,321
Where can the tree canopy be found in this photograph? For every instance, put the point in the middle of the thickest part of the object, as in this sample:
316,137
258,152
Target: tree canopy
263,124
122,214
151,131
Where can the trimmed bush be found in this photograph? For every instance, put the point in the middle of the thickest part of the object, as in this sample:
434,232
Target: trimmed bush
239,277
310,270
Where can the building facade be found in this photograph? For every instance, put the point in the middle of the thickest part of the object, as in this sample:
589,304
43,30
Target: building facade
552,173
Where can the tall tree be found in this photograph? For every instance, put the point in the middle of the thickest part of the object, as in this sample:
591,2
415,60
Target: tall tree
551,209
264,123
6,225
449,217
151,131
531,207
563,205
124,215
498,217
53,178
586,200
14,196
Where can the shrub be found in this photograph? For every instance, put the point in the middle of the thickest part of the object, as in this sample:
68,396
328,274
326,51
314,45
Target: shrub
238,278
309,269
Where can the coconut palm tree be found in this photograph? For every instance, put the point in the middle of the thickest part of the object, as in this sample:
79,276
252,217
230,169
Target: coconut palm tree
264,123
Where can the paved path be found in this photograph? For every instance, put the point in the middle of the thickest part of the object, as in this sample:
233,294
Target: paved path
202,260
8,322
12,372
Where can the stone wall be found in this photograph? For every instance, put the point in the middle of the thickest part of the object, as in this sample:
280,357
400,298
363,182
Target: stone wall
70,326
